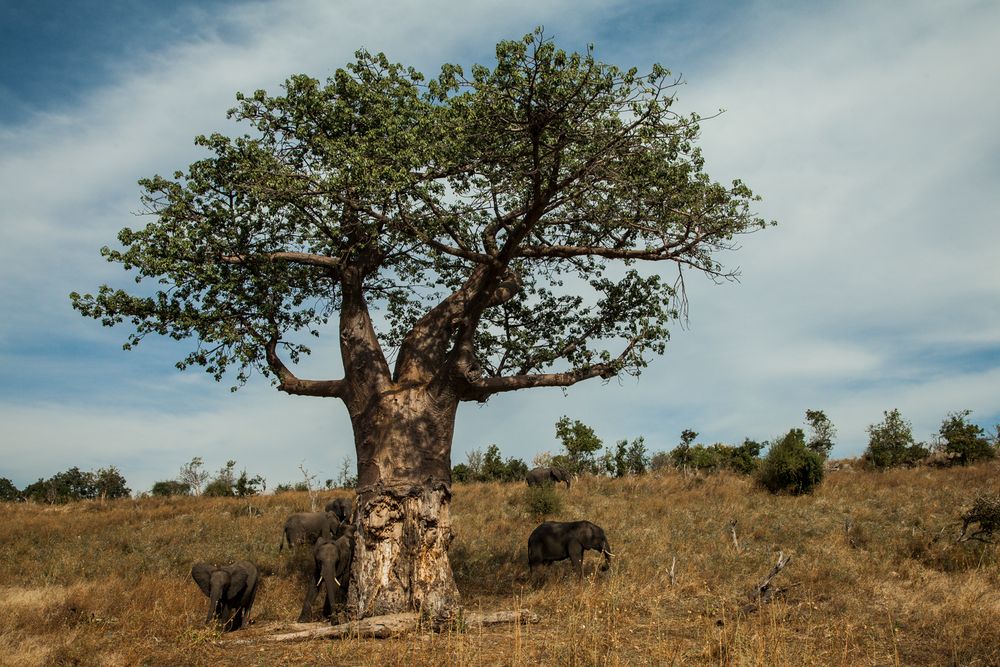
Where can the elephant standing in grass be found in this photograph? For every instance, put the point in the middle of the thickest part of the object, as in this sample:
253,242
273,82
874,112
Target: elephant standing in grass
307,527
332,571
231,590
556,540
541,476
342,507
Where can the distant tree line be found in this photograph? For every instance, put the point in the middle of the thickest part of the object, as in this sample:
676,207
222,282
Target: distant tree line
67,486
793,462
790,463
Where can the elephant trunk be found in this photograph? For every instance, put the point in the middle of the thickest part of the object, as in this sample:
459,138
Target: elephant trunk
606,551
331,582
213,602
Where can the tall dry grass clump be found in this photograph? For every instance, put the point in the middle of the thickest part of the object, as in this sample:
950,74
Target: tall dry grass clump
876,576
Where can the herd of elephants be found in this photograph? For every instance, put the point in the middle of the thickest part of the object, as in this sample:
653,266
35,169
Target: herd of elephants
231,589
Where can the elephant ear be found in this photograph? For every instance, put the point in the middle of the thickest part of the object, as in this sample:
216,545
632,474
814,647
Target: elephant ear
202,575
242,580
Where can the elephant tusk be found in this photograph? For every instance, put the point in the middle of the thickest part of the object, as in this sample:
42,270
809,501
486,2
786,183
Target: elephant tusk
319,582
608,553
336,581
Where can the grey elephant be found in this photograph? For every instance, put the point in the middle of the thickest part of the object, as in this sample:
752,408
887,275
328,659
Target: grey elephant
540,476
231,590
558,540
307,527
332,570
342,507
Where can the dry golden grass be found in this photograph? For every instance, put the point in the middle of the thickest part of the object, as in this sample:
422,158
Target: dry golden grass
109,584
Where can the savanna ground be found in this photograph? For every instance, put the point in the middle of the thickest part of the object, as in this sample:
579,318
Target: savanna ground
109,584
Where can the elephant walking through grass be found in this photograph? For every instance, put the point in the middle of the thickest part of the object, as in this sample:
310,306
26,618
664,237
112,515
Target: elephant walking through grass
231,590
555,540
541,476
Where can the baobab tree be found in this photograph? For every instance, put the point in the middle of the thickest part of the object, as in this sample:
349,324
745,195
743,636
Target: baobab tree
501,223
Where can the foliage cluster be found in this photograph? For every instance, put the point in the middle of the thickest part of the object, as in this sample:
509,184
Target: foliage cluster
170,487
542,501
790,465
193,479
742,459
581,444
70,485
822,432
964,442
891,443
489,467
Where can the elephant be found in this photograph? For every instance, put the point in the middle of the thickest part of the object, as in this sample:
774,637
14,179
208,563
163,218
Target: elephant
558,540
540,476
305,527
231,590
342,507
332,569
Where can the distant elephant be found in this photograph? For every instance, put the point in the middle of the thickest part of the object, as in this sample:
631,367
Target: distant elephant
342,507
556,540
306,527
332,571
540,476
231,590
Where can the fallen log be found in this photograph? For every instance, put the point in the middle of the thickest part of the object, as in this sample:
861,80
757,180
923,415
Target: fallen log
393,625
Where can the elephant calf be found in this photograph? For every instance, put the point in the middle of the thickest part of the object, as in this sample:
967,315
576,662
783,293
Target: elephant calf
557,540
332,571
307,527
231,590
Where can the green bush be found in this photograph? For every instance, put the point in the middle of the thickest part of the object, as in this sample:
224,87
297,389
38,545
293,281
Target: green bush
542,501
171,487
890,443
8,492
790,466
962,441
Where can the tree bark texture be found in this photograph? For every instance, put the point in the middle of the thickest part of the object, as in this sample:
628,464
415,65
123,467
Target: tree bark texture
403,519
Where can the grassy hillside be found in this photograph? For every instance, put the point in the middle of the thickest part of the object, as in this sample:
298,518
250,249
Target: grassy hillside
91,583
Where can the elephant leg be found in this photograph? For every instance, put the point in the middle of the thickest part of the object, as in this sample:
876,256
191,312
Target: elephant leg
226,617
307,604
237,622
576,556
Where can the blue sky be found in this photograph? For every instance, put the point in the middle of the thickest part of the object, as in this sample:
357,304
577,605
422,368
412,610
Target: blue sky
868,129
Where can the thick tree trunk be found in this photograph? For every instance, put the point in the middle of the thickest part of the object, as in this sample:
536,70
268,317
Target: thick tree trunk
401,562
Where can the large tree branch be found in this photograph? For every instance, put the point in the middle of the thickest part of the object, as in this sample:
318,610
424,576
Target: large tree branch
480,389
331,263
290,384
365,366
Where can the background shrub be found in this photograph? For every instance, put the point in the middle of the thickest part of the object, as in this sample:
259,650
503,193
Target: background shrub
891,444
542,501
790,466
962,441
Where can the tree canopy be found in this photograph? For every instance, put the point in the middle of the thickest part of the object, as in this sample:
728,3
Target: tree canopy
491,230
496,218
